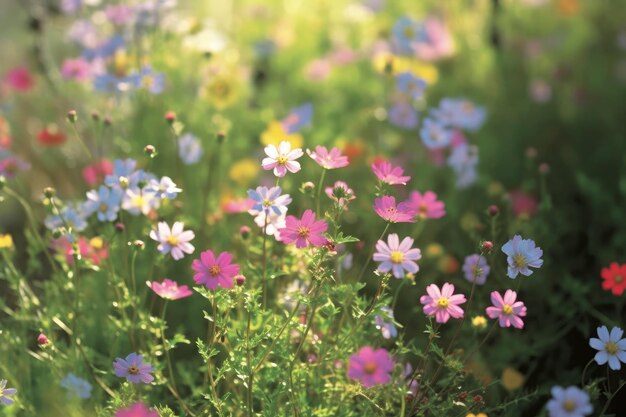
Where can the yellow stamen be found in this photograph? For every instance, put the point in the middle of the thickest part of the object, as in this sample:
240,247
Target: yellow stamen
370,368
519,261
303,231
611,348
507,309
133,370
215,270
443,302
172,240
282,160
569,406
396,257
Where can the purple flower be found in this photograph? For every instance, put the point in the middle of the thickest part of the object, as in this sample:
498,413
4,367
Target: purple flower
476,269
5,392
133,369
189,149
403,115
387,328
435,135
569,402
76,387
522,254
397,256
298,118
409,84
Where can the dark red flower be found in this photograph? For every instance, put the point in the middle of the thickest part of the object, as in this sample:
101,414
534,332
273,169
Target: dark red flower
614,278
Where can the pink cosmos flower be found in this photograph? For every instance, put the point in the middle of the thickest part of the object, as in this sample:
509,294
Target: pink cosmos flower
328,160
506,309
427,206
241,205
370,366
174,240
282,159
304,232
397,256
77,69
95,173
169,289
386,208
389,174
214,272
442,304
136,410
19,79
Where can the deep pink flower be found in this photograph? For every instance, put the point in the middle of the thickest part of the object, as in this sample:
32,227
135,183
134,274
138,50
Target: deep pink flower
214,272
386,208
328,160
136,410
389,174
95,173
169,289
19,79
397,256
281,159
370,366
427,206
304,232
506,309
442,304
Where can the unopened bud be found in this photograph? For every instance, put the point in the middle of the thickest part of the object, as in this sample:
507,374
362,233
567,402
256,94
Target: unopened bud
119,227
108,121
170,117
49,192
42,340
137,244
486,246
150,151
308,187
95,116
221,136
531,153
493,210
72,116
244,231
544,169
56,233
240,280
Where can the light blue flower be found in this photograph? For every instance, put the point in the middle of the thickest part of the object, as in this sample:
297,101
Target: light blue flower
460,113
148,79
69,217
122,170
104,201
522,254
409,84
268,199
464,161
189,149
403,115
298,118
569,402
611,347
76,387
5,392
405,33
435,135
387,328
163,189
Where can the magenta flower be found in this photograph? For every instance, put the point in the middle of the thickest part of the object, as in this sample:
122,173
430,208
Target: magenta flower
136,410
305,231
169,289
389,174
328,160
174,240
427,206
214,272
133,369
397,256
386,208
281,159
442,304
506,309
370,366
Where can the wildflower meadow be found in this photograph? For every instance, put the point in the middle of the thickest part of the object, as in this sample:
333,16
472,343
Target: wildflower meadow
314,208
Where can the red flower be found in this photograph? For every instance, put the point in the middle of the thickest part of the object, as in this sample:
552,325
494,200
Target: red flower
51,136
614,278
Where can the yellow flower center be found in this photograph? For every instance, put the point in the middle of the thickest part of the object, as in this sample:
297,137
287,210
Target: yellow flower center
370,368
611,348
215,270
519,261
409,33
103,207
282,160
6,241
396,257
507,309
618,278
303,231
172,240
133,370
267,203
147,81
569,406
96,242
138,201
443,302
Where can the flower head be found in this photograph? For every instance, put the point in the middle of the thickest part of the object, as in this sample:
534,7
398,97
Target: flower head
133,369
298,118
169,289
386,208
506,309
76,387
164,188
282,159
305,231
569,402
443,303
136,410
522,254
105,202
96,172
397,256
476,269
403,115
328,159
174,240
189,149
611,347
387,328
614,278
427,206
435,135
408,83
215,272
6,392
268,200
389,174
370,366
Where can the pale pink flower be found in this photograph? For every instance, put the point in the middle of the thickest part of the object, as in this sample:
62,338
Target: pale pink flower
442,304
506,309
389,174
386,208
169,289
397,256
328,159
174,240
427,206
281,159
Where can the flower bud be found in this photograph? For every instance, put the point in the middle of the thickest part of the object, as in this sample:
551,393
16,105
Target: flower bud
170,117
486,246
544,169
42,340
95,116
137,244
108,121
119,227
221,136
493,210
531,153
244,231
240,280
49,192
72,116
56,233
150,151
124,183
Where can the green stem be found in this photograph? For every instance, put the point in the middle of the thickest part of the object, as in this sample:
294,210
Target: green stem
320,186
80,141
582,380
269,349
608,402
250,410
264,263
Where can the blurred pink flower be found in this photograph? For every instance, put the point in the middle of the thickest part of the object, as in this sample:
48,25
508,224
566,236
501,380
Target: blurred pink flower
318,70
328,159
95,173
169,289
437,42
136,410
426,206
371,367
77,69
386,208
389,174
523,204
19,79
540,91
94,250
